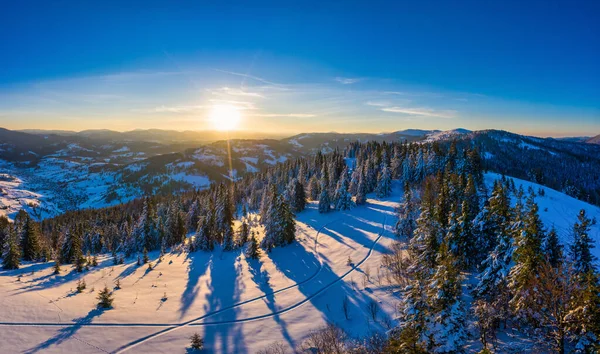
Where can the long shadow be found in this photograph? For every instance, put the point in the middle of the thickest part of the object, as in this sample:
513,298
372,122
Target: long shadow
199,262
261,278
66,332
354,225
49,282
225,287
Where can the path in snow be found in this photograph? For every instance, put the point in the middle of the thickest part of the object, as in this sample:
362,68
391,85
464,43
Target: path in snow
173,327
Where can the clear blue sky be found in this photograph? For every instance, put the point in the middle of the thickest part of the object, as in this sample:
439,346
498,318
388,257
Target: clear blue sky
525,66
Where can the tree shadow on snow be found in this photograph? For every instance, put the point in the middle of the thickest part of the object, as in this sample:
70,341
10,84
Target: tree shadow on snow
261,279
225,287
199,262
66,332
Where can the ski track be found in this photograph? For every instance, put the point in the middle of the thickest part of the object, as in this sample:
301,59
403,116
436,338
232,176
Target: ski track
192,323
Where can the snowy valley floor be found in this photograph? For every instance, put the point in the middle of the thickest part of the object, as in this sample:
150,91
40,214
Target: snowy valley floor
237,305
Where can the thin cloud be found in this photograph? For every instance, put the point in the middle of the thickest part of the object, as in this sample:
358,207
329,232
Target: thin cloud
427,112
248,76
241,105
170,109
291,115
237,92
347,80
377,103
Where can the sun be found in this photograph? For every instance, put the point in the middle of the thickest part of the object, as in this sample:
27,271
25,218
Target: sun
225,117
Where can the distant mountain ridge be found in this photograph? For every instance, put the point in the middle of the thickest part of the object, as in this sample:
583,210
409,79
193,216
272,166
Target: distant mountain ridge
50,173
594,140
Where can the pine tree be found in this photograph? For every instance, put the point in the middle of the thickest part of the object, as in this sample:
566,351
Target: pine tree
56,267
243,233
448,319
197,342
528,260
288,224
343,197
324,201
31,241
253,252
272,223
204,240
313,188
11,257
406,212
580,248
361,191
552,248
146,259
384,183
585,314
299,197
105,298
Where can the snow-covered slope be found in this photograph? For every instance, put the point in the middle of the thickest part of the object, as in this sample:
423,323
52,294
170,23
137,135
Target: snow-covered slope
558,210
238,305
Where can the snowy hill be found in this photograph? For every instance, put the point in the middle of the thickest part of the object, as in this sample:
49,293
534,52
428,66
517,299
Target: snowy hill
558,210
238,305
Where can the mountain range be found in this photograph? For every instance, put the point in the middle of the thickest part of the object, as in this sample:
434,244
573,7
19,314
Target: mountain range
49,172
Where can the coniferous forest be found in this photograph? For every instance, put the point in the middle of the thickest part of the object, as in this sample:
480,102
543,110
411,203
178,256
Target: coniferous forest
470,260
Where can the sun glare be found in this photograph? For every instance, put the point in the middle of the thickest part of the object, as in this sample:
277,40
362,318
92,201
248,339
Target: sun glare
225,117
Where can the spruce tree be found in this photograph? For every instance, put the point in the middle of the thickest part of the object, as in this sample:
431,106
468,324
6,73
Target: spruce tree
56,267
528,258
243,233
448,329
105,298
299,197
343,197
324,201
384,183
552,248
361,192
11,257
580,248
31,241
406,213
204,240
253,252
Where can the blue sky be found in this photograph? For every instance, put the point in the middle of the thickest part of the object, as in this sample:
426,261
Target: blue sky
524,66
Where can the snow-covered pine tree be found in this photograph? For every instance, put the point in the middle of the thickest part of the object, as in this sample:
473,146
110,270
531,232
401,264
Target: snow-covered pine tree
204,240
243,233
361,190
288,224
584,316
582,244
492,288
324,200
448,328
11,255
343,197
299,197
32,249
272,223
4,230
313,188
552,248
426,238
407,214
253,252
384,183
528,258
